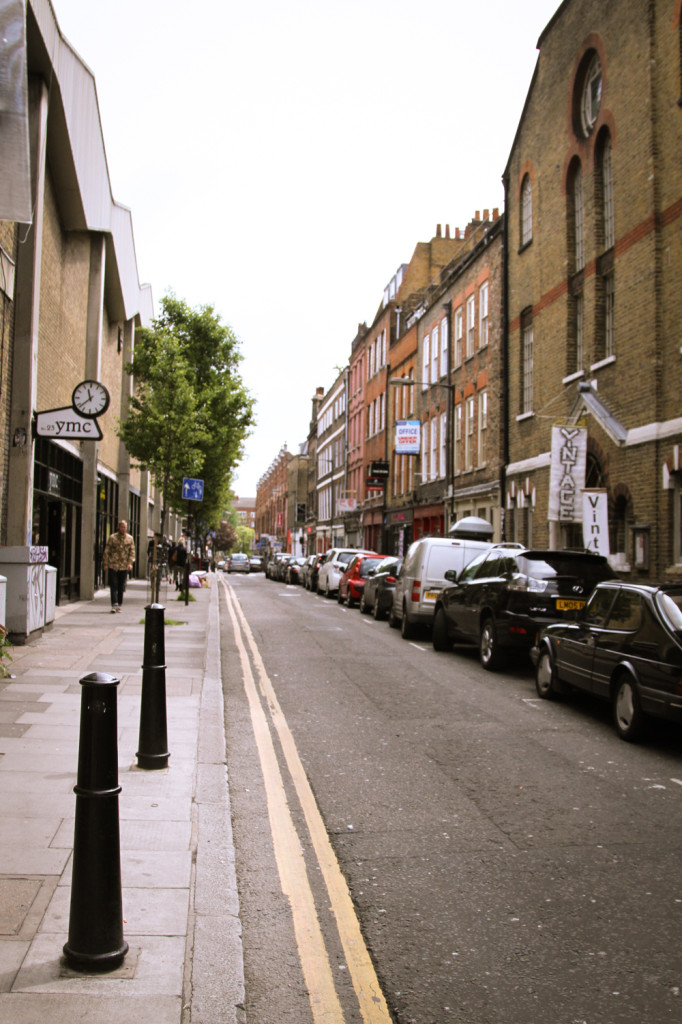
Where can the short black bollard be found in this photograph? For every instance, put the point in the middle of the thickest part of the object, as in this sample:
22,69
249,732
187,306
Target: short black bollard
153,740
95,940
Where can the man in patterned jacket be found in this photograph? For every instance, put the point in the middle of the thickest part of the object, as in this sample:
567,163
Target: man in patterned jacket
119,555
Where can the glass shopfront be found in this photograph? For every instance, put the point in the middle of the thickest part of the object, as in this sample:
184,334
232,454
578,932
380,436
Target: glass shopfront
57,509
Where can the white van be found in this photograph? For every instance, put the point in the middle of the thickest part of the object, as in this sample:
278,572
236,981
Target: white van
422,577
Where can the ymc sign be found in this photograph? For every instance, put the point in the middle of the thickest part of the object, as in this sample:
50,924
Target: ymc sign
67,423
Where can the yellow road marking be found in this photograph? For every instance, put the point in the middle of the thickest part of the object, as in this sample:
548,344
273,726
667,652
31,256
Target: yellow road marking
365,982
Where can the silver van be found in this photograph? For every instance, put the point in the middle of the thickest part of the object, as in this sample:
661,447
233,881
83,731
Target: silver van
422,577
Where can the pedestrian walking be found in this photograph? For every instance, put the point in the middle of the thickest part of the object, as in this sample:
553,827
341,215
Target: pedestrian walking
119,555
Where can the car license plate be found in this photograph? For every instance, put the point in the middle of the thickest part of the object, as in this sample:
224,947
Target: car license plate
564,604
430,595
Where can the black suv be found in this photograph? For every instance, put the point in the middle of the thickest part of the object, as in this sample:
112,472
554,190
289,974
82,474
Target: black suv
505,596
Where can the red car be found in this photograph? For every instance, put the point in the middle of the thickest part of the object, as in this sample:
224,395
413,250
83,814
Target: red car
353,580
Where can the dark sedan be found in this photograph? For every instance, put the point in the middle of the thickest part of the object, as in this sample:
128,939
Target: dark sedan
504,596
377,596
625,647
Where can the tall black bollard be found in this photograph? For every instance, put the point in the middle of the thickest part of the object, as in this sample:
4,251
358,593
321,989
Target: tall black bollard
153,740
95,940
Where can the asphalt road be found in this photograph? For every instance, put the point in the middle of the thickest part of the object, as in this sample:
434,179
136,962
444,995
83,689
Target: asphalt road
510,860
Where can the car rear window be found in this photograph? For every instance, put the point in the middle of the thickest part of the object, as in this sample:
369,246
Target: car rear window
366,564
547,565
670,607
440,559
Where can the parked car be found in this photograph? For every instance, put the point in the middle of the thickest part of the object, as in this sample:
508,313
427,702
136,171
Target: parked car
280,568
625,647
352,583
309,572
238,562
273,564
502,598
335,563
256,563
422,577
292,572
377,593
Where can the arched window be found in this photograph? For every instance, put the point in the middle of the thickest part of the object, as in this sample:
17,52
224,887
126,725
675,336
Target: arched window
591,95
606,183
526,210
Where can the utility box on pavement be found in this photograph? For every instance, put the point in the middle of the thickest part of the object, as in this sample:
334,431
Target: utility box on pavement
50,594
24,568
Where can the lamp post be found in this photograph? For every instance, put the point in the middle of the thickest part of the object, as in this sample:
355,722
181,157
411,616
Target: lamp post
449,446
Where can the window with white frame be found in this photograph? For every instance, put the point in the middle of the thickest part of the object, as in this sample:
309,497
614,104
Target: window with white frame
483,315
471,325
482,427
443,346
526,211
526,363
459,322
469,432
609,315
457,436
425,452
607,192
411,392
443,471
425,361
435,353
370,419
433,466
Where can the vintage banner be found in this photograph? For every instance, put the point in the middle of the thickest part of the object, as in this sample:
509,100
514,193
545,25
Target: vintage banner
567,474
596,521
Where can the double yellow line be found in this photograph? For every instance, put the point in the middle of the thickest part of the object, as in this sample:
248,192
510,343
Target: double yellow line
315,963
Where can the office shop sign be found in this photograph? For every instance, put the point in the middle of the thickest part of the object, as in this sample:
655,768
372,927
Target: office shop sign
78,421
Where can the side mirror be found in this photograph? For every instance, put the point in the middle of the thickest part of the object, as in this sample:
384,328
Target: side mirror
450,575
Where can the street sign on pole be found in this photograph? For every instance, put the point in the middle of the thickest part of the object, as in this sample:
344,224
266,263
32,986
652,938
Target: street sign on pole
192,490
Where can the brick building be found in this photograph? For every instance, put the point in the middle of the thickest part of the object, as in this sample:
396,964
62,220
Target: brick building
71,304
272,497
593,203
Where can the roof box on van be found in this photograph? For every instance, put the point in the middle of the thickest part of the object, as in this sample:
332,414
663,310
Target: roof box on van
471,528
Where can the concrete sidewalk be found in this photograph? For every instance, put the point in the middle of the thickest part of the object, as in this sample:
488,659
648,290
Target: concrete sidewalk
180,904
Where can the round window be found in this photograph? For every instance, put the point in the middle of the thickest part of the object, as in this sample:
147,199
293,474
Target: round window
591,97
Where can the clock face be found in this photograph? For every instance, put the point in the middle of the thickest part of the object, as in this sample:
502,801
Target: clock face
90,398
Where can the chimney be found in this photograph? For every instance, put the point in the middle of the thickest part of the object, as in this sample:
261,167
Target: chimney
457,233
478,215
447,230
486,214
438,234
496,213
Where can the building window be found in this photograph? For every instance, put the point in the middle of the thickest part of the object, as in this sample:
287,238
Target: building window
459,320
471,323
526,211
457,435
443,445
435,352
578,220
425,362
482,427
425,452
591,95
609,315
579,313
607,192
469,433
433,469
483,315
526,362
443,346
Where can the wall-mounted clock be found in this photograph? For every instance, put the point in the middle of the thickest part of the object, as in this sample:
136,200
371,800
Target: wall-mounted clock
90,398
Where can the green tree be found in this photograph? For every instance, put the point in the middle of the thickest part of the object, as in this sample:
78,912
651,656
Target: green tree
245,536
217,416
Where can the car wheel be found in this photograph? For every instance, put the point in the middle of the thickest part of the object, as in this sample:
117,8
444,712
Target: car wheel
338,596
327,592
488,650
407,629
627,713
393,622
364,610
545,678
377,613
439,634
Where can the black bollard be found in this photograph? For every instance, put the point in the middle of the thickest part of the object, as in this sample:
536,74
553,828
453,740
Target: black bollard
153,740
95,940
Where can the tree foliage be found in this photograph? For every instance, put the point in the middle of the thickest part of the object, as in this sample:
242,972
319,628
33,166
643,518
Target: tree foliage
190,412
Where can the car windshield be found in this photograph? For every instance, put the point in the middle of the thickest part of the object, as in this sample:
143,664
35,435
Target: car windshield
670,607
366,564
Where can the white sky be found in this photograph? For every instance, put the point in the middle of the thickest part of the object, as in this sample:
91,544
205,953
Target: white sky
282,158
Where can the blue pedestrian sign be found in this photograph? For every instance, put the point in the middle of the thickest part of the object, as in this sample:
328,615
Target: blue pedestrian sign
193,490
